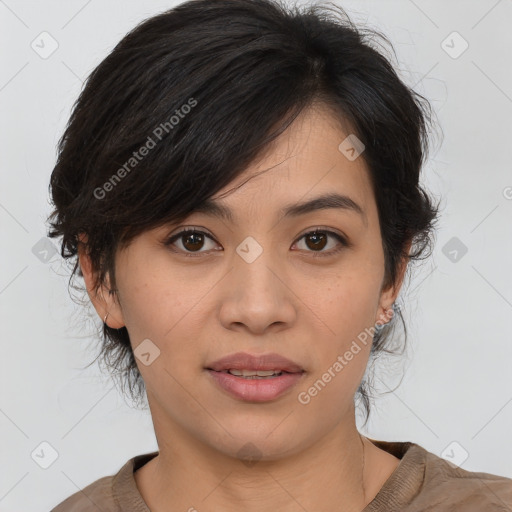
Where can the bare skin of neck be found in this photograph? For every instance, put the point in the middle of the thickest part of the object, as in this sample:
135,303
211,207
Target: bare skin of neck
305,482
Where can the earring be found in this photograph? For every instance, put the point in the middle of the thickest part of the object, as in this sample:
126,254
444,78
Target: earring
110,292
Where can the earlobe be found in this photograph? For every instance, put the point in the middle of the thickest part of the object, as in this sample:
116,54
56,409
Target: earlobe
385,314
113,315
102,298
389,296
387,303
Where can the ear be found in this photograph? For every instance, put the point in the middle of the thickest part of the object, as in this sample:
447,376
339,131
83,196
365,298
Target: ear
389,295
104,302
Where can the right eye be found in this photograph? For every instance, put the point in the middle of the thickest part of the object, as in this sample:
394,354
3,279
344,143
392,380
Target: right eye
190,239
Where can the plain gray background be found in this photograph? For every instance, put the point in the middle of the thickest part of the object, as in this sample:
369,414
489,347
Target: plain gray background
457,386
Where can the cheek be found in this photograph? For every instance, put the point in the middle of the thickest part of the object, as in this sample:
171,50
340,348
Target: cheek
350,300
327,396
347,308
159,304
153,296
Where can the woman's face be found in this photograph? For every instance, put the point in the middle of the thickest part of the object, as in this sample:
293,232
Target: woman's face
254,283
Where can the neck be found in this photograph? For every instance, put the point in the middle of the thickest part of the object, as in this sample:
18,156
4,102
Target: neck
332,474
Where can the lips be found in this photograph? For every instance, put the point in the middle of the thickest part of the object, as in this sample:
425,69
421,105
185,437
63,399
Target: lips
262,389
263,362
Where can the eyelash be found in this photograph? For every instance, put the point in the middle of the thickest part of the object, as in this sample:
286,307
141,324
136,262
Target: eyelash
316,254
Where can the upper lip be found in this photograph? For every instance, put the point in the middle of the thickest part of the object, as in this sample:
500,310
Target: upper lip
245,361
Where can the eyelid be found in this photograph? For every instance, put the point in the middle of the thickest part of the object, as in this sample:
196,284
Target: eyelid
324,229
305,232
190,229
341,237
185,230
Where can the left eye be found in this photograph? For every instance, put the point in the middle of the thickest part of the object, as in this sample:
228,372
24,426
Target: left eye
192,241
318,239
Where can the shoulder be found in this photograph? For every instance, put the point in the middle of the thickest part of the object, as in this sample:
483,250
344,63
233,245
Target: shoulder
96,496
447,485
424,481
114,493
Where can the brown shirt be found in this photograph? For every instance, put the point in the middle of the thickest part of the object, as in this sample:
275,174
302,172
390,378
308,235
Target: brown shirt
422,481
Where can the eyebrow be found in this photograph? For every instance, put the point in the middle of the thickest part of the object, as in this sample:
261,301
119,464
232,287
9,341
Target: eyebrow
323,202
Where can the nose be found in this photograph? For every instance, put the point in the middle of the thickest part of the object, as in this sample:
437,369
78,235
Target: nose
258,296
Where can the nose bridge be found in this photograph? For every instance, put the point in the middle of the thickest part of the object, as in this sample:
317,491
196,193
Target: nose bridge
253,266
256,295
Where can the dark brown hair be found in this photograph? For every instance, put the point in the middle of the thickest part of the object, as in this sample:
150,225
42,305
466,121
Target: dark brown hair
206,87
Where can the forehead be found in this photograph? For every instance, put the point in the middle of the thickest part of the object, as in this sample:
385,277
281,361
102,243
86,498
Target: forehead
301,165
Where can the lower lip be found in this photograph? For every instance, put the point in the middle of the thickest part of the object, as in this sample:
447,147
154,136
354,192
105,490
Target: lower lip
256,390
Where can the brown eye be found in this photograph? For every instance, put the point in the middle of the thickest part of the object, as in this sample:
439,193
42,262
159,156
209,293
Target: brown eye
190,240
316,241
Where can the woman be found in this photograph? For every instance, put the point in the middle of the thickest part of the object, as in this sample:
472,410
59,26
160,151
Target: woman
239,184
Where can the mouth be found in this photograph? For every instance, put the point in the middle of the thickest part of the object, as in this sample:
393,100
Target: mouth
263,363
255,377
255,385
251,374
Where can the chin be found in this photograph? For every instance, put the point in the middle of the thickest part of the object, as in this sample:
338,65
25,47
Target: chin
250,447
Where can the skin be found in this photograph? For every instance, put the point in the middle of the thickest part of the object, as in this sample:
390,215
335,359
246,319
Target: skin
198,309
